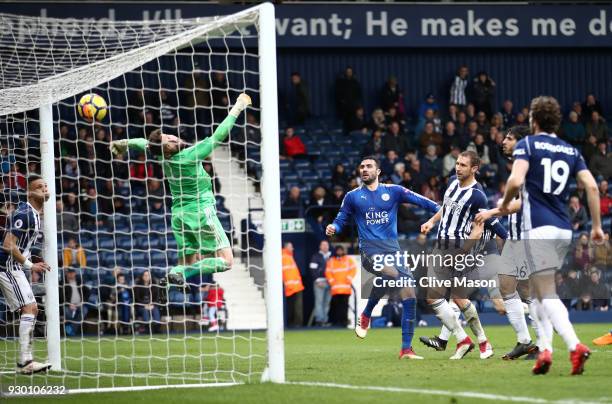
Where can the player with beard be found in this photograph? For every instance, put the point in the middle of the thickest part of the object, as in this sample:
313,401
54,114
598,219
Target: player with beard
374,206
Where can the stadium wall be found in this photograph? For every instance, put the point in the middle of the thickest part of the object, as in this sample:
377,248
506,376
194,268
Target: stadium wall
520,74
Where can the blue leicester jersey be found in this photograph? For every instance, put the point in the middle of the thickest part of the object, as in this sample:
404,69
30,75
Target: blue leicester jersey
24,224
545,192
375,212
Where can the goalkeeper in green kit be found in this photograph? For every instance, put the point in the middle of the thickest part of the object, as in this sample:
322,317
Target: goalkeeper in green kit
203,246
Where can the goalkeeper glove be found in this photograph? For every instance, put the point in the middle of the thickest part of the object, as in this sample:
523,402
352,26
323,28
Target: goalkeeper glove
119,146
242,102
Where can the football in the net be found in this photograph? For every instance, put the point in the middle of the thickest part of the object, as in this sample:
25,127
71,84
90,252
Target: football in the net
92,107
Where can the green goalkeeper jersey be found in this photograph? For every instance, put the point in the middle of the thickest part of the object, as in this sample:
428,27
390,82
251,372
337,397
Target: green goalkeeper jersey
189,183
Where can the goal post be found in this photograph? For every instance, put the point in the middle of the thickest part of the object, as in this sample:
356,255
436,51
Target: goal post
108,60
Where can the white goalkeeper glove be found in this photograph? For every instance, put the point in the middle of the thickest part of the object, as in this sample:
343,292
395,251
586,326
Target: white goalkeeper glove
119,146
242,102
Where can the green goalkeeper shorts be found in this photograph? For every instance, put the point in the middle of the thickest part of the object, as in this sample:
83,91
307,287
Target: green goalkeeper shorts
197,230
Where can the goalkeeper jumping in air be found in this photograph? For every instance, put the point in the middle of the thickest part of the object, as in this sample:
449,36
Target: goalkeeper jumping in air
195,225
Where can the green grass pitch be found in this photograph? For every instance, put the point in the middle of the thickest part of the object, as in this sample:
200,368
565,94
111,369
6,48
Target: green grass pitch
355,371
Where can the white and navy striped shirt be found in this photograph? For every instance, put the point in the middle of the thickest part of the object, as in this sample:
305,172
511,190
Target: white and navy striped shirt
24,224
457,91
514,225
459,207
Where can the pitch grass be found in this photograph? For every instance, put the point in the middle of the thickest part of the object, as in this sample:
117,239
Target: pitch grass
336,356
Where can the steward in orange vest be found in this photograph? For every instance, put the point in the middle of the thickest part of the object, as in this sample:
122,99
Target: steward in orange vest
292,281
340,271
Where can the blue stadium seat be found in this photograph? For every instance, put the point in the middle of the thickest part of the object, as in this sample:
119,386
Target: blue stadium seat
158,258
87,242
284,164
106,244
301,164
140,259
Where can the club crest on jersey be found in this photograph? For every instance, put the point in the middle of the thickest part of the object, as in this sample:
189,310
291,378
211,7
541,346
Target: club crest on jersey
18,223
385,197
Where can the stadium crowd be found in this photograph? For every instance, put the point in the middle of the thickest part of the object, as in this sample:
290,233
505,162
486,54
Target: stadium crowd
417,145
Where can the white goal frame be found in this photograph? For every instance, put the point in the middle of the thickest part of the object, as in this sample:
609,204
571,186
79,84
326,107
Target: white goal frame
275,371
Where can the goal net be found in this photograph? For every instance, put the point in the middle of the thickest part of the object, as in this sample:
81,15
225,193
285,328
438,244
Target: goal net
106,320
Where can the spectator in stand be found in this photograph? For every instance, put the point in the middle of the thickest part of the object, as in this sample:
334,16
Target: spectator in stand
599,291
395,140
392,115
156,195
602,253
378,121
293,205
470,112
418,178
293,286
590,147
298,104
74,255
140,170
73,298
214,299
573,130
600,162
430,116
430,137
146,300
449,161
431,164
348,94
294,147
339,272
563,290
318,212
584,253
322,295
340,177
336,198
407,181
398,172
580,193
605,200
390,94
472,131
453,113
219,95
431,189
122,298
388,163
450,137
577,213
478,145
591,104
374,146
462,124
428,103
67,221
356,122
103,154
597,126
577,108
498,122
483,93
508,114
483,124
89,213
521,120
459,86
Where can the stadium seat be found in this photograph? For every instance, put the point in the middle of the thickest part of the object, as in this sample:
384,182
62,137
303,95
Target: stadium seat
140,259
107,244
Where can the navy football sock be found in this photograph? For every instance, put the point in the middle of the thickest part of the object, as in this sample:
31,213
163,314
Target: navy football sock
408,320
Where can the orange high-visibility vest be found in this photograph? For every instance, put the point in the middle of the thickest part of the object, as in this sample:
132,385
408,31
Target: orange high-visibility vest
340,272
292,279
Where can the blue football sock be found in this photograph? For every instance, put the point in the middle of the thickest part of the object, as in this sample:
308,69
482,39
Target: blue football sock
408,320
375,296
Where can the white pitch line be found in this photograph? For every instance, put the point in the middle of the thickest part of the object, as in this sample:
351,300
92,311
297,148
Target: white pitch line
447,393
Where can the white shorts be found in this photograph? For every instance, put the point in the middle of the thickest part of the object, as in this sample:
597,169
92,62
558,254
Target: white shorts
546,247
514,260
16,289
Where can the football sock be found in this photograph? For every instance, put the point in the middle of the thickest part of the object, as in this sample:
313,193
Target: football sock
26,330
375,296
544,325
204,266
516,316
408,320
559,317
445,333
471,316
446,315
533,321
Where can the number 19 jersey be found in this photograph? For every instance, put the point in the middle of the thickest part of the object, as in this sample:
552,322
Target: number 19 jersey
545,192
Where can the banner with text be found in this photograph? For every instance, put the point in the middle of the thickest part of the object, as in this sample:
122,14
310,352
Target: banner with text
373,25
